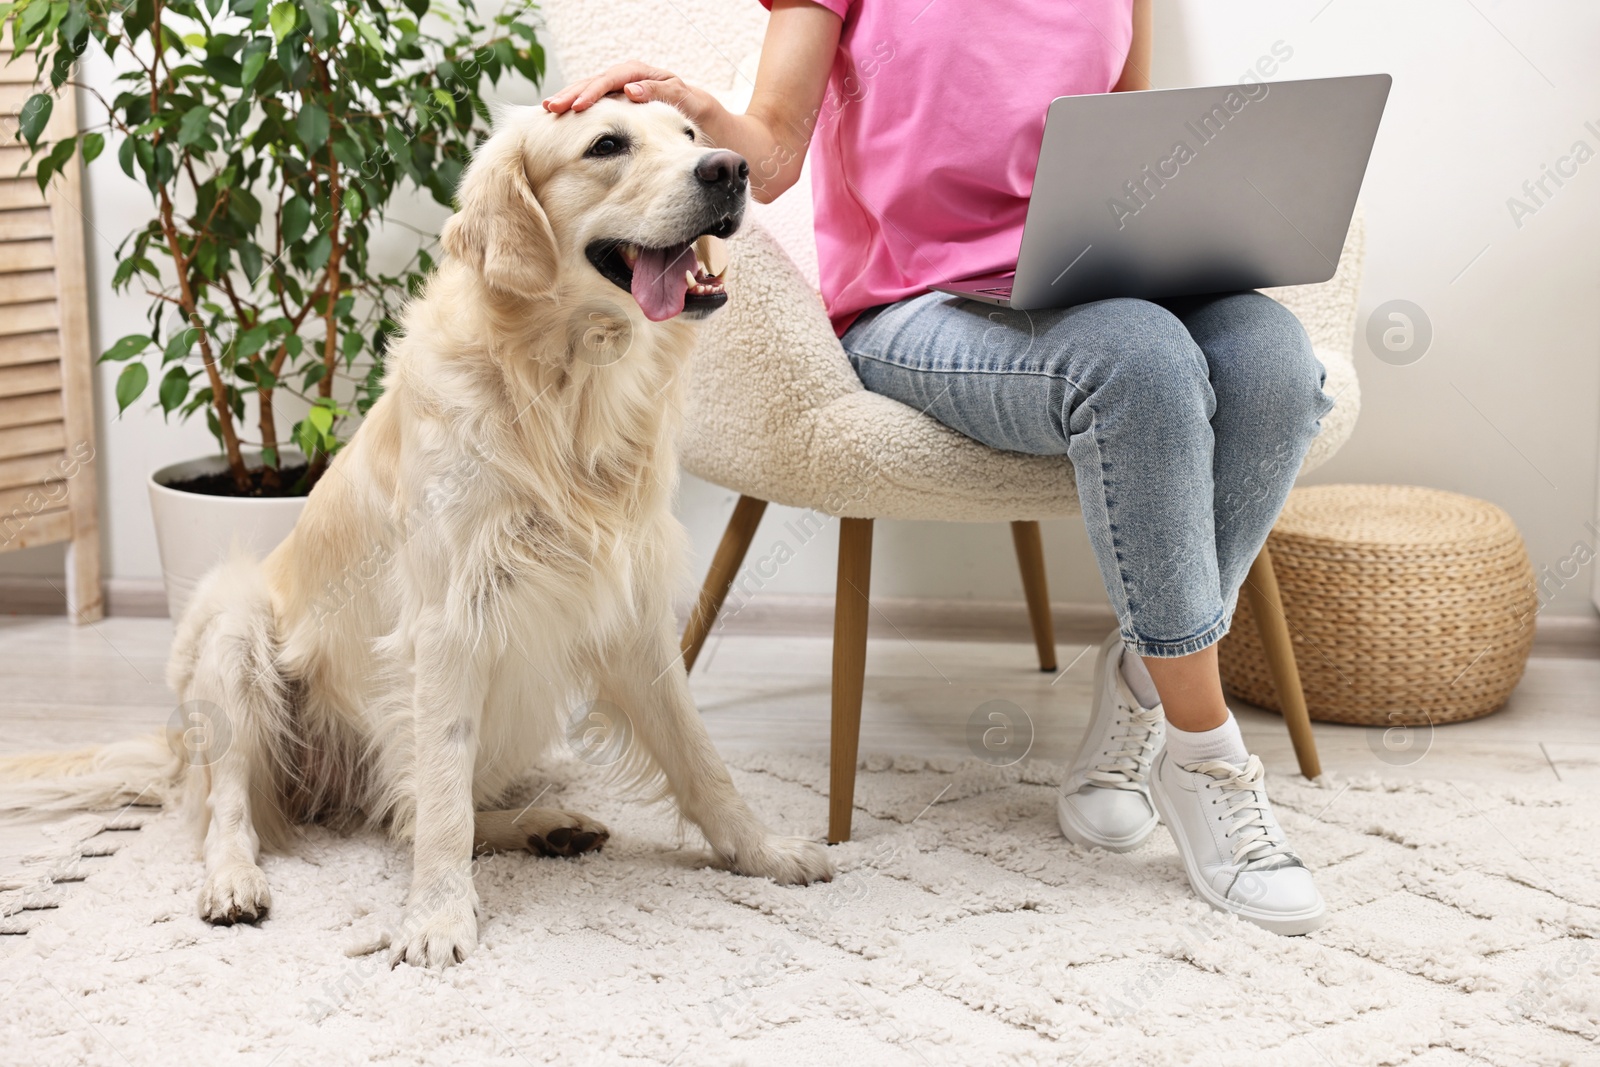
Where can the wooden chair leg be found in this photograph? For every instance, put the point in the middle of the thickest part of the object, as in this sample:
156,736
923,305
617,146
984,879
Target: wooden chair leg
1262,587
850,608
724,568
84,602
1030,560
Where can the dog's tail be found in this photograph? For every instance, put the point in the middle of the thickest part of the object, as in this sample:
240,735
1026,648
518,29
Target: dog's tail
144,770
232,706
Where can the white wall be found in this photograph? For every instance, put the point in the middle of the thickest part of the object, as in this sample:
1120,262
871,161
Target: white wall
1505,405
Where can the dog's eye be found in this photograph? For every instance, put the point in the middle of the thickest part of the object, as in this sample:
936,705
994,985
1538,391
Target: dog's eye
609,145
687,132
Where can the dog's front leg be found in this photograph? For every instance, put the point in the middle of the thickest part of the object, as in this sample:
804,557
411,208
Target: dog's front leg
450,676
650,686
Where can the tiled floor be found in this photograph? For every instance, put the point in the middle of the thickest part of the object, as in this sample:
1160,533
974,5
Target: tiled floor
64,686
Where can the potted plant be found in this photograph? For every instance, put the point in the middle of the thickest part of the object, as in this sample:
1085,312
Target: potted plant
272,137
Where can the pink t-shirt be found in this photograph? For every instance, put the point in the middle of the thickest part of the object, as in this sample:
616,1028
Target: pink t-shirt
924,151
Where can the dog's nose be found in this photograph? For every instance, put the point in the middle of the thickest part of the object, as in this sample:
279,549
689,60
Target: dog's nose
725,171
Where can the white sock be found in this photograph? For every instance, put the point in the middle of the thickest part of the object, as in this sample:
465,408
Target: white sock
1223,743
1137,676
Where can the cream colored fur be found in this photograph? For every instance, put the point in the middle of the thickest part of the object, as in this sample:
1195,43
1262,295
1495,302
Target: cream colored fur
494,547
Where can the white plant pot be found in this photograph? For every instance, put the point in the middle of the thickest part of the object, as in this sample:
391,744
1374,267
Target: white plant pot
195,532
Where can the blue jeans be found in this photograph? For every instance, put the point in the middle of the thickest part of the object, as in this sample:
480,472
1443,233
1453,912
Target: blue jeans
1185,422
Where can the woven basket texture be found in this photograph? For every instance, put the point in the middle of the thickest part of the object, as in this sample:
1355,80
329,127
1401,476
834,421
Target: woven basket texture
1406,606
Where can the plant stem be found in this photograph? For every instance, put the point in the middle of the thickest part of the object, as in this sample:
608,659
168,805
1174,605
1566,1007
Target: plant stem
169,227
330,342
219,391
246,318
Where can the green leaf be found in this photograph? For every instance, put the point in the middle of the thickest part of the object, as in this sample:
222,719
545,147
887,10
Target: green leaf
74,25
284,16
159,166
35,114
241,205
250,261
34,16
205,258
317,254
194,124
321,418
238,115
130,383
127,347
93,145
254,59
294,62
312,126
320,17
251,340
53,163
174,389
369,34
125,155
348,152
178,346
296,218
200,398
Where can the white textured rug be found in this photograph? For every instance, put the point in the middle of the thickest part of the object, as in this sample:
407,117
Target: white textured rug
961,931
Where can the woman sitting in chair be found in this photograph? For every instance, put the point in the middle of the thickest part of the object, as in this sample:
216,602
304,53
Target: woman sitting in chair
1185,420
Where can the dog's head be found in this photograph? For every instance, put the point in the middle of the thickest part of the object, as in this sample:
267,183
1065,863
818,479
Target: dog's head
629,193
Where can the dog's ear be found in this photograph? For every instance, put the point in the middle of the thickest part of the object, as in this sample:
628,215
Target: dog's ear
501,230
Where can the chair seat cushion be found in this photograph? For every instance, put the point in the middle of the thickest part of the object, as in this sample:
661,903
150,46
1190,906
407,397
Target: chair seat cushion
775,411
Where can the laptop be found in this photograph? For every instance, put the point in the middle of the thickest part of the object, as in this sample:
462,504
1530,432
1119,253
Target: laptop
1170,192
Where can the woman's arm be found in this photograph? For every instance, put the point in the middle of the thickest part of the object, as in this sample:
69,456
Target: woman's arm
774,132
1136,71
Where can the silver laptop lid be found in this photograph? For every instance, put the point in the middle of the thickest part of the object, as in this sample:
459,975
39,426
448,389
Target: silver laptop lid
1212,189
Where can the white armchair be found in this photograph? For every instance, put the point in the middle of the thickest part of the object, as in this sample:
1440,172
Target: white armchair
777,413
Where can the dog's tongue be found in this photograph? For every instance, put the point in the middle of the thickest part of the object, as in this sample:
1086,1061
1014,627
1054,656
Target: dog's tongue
659,284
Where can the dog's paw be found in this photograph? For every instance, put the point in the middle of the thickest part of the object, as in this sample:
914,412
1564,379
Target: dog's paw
236,893
578,835
787,861
443,934
542,831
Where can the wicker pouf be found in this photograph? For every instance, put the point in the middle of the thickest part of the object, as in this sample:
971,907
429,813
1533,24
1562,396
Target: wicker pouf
1406,606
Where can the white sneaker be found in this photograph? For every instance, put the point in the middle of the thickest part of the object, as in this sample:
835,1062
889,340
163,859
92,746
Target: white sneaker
1105,799
1231,844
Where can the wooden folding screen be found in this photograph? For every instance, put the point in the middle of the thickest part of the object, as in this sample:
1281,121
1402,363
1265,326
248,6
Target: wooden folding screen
47,451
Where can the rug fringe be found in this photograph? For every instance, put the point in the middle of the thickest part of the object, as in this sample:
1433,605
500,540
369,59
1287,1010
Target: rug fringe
35,885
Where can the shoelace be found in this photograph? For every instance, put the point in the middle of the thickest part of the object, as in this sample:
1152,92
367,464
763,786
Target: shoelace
1244,791
1125,764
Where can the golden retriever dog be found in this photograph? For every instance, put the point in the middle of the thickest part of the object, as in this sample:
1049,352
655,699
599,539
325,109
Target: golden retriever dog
494,547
